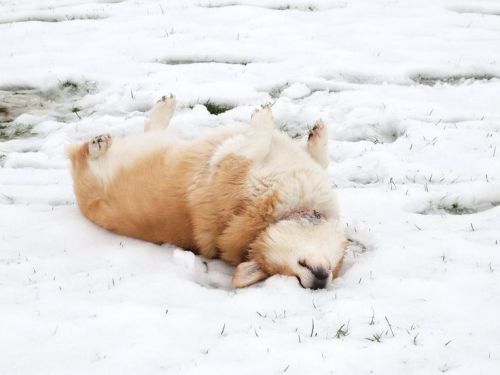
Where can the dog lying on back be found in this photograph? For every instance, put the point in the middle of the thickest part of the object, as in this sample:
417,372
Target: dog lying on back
248,195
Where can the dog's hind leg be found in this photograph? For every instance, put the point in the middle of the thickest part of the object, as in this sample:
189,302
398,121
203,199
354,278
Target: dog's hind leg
98,146
259,136
161,113
317,144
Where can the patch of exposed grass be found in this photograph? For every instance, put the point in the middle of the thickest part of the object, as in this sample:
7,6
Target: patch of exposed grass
187,61
343,331
16,88
475,10
60,102
69,86
223,5
276,91
54,18
376,337
309,8
431,80
9,130
215,108
290,130
457,208
76,111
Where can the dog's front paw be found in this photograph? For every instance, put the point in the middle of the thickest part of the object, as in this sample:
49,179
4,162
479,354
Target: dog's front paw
165,98
318,132
99,145
262,118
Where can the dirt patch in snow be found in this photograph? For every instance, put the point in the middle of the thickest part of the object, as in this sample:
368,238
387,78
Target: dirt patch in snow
52,18
456,208
204,60
454,79
474,9
59,103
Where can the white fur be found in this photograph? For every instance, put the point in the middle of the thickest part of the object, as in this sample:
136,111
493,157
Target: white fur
161,114
126,151
276,158
317,146
253,143
309,188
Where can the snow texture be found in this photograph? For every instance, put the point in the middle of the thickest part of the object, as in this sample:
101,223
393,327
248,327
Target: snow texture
409,91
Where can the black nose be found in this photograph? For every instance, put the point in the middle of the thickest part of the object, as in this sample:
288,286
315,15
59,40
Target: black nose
320,277
320,273
319,284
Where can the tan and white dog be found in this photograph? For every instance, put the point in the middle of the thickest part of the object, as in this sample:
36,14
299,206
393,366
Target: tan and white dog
248,195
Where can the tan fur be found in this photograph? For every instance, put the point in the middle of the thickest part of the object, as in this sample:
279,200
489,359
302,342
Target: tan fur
180,193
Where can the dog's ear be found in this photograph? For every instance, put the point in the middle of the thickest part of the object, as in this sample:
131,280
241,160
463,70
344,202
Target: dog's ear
248,273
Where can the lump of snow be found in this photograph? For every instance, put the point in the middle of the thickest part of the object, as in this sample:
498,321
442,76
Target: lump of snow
296,91
185,259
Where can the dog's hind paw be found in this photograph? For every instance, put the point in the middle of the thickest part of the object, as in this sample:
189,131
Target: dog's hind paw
161,113
99,145
164,107
164,98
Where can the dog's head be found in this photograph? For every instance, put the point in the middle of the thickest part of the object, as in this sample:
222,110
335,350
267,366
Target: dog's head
312,251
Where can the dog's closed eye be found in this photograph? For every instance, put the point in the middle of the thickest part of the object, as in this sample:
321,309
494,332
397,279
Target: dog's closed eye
303,263
320,273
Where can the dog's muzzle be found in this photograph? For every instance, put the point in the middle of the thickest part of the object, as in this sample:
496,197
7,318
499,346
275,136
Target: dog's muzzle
321,277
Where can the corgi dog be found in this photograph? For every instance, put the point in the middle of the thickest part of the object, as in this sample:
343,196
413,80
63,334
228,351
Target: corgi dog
248,195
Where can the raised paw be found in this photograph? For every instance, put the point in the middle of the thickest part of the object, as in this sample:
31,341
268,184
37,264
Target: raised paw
164,107
262,118
164,98
318,132
99,145
317,144
161,113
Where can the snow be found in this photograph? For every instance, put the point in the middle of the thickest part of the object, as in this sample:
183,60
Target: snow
409,92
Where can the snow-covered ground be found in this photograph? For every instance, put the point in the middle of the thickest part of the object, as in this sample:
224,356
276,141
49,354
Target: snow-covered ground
410,91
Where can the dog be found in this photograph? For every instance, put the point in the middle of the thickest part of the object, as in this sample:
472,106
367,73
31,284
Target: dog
247,194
